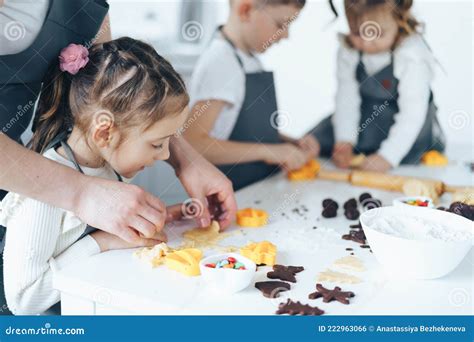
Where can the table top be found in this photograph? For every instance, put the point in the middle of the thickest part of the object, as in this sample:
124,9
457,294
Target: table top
118,280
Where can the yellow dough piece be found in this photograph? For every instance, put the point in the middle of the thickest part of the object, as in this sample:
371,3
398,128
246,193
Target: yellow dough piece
203,237
185,261
434,158
250,217
416,187
338,277
357,161
464,196
307,172
153,256
260,252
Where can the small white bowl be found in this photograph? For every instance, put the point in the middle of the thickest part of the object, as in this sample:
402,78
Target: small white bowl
226,280
400,201
417,259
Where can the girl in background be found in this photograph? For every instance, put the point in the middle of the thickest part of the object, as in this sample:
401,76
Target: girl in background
384,103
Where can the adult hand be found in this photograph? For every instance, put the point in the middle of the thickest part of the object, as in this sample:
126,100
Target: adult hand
122,209
342,154
375,162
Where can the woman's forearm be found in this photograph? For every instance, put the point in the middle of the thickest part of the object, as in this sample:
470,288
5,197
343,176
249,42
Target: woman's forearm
28,173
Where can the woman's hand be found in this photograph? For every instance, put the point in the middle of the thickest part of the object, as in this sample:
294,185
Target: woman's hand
122,209
342,154
375,162
107,241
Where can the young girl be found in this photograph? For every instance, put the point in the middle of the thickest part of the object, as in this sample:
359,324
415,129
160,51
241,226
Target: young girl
235,113
384,104
109,112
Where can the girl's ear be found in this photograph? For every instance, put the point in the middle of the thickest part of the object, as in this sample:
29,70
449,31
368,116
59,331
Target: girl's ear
102,129
244,9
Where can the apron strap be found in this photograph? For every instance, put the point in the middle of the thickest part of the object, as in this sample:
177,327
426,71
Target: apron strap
234,49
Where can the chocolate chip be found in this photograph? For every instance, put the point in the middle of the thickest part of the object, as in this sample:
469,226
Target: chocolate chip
351,203
364,196
329,212
352,214
356,236
330,203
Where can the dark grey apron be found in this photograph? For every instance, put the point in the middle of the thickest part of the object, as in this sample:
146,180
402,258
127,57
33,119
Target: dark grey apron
71,158
379,105
21,74
256,123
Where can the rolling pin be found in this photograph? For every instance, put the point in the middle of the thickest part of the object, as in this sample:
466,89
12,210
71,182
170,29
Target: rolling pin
384,181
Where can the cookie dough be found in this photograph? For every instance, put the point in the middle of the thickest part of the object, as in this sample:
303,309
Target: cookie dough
416,187
434,158
260,252
153,256
338,277
464,196
206,237
350,263
185,261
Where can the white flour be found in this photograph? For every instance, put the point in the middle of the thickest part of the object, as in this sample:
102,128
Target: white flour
414,228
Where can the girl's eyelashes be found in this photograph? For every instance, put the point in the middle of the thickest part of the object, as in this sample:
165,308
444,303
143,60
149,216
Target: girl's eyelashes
157,147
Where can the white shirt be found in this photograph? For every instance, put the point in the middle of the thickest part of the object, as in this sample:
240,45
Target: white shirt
219,76
414,69
20,24
40,239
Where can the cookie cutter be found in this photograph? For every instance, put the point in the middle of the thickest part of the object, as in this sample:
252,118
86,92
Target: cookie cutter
250,217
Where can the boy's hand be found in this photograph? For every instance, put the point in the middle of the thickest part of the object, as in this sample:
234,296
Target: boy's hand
107,241
375,162
309,145
288,156
342,154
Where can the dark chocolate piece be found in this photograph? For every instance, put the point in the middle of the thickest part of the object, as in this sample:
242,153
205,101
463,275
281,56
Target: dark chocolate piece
364,246
364,196
272,289
358,225
329,212
330,295
462,209
286,273
351,203
349,249
296,308
371,203
352,214
356,236
330,203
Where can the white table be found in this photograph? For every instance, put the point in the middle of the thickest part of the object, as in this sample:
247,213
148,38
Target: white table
116,283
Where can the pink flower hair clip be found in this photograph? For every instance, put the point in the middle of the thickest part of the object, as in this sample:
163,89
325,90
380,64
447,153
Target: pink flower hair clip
73,58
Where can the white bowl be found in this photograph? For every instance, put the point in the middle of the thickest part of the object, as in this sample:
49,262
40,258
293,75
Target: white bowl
226,280
417,259
400,201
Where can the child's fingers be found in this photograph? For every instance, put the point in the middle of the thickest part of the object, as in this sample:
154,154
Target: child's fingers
174,212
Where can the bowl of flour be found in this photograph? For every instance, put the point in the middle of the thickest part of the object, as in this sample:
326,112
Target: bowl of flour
417,243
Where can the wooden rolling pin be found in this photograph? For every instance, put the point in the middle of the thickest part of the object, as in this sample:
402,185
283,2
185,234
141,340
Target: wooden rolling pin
383,181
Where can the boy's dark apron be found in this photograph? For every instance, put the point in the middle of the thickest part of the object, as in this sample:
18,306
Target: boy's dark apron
257,123
21,74
379,106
